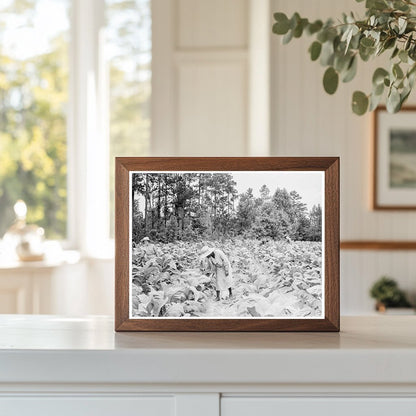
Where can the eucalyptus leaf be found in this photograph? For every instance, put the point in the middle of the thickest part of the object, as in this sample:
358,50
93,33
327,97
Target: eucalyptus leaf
412,52
353,30
345,35
330,80
408,42
374,102
395,52
294,20
411,78
403,56
400,5
355,41
404,96
411,71
389,43
397,71
314,27
378,89
327,54
298,30
379,75
366,53
281,27
288,37
322,35
376,4
393,101
341,62
359,103
315,50
402,22
367,42
350,18
351,71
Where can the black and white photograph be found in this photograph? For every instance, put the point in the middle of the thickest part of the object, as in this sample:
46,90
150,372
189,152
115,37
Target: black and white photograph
394,159
403,158
240,244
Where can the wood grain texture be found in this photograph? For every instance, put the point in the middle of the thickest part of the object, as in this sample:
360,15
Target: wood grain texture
332,226
330,165
378,245
121,244
376,204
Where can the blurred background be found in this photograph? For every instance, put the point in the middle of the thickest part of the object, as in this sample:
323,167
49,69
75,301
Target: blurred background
83,81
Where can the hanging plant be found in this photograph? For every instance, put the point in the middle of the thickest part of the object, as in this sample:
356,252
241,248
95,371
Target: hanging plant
389,27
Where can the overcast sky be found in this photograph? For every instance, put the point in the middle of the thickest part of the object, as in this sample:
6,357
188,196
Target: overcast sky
309,185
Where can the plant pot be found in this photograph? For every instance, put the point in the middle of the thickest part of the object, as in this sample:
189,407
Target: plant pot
382,309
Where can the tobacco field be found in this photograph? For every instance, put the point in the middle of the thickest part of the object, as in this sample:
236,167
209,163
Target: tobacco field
271,279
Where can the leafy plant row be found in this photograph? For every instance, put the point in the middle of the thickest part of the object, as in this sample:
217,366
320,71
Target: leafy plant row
270,279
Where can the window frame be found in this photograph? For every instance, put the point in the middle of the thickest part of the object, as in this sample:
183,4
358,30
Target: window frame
87,128
87,133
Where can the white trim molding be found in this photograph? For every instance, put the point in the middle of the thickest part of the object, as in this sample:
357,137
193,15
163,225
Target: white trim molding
210,82
88,179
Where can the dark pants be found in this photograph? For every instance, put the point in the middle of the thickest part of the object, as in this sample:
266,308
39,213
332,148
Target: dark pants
229,291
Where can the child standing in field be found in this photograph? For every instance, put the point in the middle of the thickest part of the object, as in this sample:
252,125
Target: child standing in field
219,264
149,251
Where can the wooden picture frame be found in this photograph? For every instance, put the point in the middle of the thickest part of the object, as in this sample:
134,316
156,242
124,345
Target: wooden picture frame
394,184
326,168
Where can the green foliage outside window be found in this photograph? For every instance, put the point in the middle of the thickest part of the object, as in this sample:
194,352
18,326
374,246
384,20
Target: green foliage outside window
33,100
129,40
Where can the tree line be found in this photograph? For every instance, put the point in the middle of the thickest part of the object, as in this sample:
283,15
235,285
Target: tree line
187,206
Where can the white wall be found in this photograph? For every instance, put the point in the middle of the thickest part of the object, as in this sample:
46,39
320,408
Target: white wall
308,122
202,84
211,92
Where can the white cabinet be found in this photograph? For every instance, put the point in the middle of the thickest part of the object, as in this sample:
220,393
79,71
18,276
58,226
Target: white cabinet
88,406
271,406
203,405
80,367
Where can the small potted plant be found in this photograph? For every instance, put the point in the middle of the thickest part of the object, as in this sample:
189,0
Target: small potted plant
388,295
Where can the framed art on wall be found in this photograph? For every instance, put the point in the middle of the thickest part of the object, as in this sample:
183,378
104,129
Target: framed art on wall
227,244
394,180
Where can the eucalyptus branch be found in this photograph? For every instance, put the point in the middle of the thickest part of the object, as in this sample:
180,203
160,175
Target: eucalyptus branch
390,25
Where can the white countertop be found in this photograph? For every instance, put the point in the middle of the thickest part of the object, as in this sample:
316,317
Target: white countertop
52,349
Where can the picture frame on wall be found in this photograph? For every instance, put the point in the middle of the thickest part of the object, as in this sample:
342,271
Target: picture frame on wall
394,159
227,244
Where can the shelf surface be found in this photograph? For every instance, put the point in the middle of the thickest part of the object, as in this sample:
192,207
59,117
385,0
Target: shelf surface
53,349
53,332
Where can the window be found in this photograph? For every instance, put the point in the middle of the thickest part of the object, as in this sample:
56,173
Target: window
129,43
33,98
75,87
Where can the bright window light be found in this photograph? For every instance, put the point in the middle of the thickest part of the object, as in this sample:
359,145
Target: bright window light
129,54
75,88
33,101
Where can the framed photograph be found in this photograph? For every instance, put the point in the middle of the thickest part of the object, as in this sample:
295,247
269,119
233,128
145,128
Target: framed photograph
227,244
394,159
